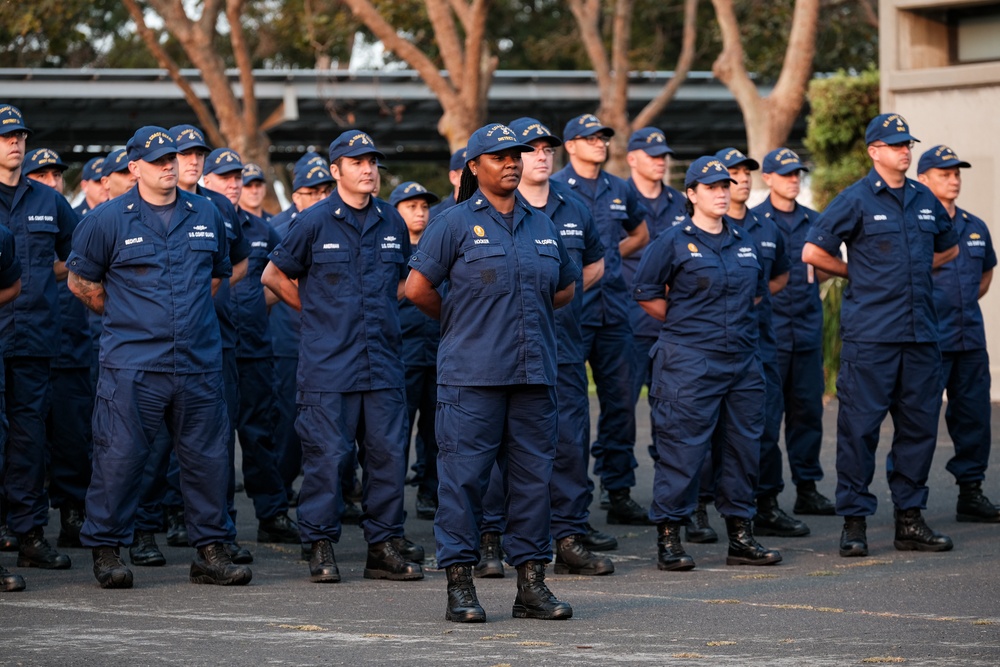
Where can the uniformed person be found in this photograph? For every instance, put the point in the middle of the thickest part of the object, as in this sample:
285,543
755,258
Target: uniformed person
42,222
149,261
254,189
958,286
72,399
620,218
703,279
93,191
421,335
348,255
310,184
455,166
797,315
896,232
255,370
769,519
10,287
648,159
116,177
507,270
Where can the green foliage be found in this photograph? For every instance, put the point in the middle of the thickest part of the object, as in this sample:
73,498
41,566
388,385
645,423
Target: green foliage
840,108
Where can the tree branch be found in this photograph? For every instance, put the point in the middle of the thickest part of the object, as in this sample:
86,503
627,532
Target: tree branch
461,10
620,40
729,66
476,52
797,67
241,53
586,13
684,62
209,16
446,36
205,117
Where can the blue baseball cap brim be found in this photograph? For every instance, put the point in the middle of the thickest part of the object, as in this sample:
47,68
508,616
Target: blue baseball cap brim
411,190
940,157
583,126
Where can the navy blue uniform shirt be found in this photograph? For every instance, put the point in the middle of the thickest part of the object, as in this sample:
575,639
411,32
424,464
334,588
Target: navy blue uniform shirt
349,272
239,249
158,311
890,250
42,221
774,260
713,282
615,207
284,321
579,234
249,310
10,265
956,286
421,333
662,213
446,202
497,319
797,310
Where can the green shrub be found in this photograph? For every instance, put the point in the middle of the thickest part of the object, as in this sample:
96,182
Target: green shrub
840,107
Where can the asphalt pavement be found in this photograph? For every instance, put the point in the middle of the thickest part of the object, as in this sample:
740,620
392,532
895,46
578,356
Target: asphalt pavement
815,608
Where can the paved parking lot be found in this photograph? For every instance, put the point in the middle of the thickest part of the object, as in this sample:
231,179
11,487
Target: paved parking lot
815,608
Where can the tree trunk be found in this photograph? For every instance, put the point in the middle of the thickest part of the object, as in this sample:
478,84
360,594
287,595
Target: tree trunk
768,120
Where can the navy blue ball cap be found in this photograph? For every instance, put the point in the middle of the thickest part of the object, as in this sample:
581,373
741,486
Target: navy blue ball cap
187,137
650,140
890,128
223,161
782,161
733,157
117,160
41,159
310,176
940,157
585,126
494,138
530,129
11,120
92,170
411,190
706,170
310,159
457,161
150,143
252,172
353,143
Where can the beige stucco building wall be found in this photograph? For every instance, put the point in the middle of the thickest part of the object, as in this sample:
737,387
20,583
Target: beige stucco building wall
949,102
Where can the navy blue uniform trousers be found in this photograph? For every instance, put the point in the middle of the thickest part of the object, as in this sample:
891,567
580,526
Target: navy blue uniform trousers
27,393
288,447
512,426
875,379
255,425
695,392
802,387
69,435
966,378
129,409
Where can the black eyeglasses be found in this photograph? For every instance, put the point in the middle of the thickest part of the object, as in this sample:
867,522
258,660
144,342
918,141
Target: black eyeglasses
20,135
895,147
596,139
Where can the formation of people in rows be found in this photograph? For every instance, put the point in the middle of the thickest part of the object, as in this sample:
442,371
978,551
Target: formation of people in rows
330,335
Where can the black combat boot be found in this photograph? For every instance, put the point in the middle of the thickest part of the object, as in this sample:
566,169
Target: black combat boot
71,518
384,562
322,564
10,582
974,506
36,551
912,534
177,533
8,540
144,550
110,569
278,529
490,565
743,548
574,558
410,551
772,520
595,540
534,599
463,605
670,554
626,511
426,506
238,554
213,565
854,538
810,501
699,531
